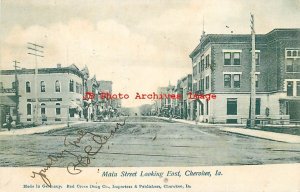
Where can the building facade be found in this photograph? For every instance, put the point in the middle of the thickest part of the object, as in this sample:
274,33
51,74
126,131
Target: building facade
221,65
53,95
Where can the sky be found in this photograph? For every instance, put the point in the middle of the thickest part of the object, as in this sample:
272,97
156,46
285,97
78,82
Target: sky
138,44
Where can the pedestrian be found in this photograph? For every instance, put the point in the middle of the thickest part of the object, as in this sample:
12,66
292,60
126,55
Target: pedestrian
92,116
8,121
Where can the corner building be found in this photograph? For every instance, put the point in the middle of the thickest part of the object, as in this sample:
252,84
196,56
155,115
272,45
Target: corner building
59,93
222,64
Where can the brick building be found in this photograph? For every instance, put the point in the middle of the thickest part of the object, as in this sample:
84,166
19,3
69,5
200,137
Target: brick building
222,63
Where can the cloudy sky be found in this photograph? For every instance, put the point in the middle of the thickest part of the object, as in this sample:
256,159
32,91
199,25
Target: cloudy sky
138,44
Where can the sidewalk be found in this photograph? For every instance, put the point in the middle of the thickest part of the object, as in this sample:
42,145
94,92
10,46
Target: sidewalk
240,129
38,129
264,134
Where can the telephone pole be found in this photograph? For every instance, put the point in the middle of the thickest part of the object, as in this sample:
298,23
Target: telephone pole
35,50
252,87
17,92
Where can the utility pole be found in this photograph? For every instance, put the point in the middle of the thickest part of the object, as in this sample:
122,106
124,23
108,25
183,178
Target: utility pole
35,50
17,92
252,94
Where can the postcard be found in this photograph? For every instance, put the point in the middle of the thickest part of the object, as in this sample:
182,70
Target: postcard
179,95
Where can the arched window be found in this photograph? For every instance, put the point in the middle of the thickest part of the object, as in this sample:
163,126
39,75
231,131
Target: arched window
71,84
57,86
57,109
27,84
43,108
28,108
43,87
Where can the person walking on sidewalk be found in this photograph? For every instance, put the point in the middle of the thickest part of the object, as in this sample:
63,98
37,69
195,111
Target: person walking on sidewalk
8,121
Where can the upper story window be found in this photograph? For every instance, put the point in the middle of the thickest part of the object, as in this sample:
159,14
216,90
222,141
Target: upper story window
77,87
1,85
201,84
71,86
227,59
207,82
257,58
232,80
194,87
57,86
298,88
292,60
27,87
292,53
43,86
290,88
194,72
256,80
236,59
227,80
236,80
232,57
202,63
207,61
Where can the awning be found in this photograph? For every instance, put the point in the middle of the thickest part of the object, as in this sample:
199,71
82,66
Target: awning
74,105
8,101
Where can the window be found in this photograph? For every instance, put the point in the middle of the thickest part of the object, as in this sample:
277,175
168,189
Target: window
202,84
231,106
71,86
27,85
202,63
232,58
57,109
292,65
298,88
232,80
77,87
290,90
194,73
43,108
236,80
236,59
257,58
194,87
257,106
57,86
292,53
28,108
207,61
227,59
207,82
1,85
292,61
199,67
227,80
256,80
43,87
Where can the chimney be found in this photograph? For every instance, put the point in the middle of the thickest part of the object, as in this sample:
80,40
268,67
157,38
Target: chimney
58,65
